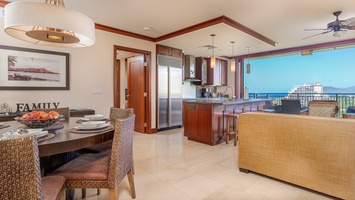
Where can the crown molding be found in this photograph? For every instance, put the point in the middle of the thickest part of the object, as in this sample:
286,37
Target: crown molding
218,20
123,32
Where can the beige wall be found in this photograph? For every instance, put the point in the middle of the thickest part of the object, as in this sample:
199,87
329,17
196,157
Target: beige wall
90,67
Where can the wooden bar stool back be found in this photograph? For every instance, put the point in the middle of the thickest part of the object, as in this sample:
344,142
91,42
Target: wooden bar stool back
228,129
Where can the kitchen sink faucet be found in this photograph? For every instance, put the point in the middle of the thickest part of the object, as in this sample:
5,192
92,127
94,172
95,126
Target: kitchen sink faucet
226,91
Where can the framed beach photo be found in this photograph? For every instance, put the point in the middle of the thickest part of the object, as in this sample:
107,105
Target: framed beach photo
33,69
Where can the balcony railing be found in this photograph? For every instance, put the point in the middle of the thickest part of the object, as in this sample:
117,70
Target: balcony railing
344,99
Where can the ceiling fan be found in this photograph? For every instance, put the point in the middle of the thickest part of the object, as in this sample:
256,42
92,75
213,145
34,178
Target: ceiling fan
340,27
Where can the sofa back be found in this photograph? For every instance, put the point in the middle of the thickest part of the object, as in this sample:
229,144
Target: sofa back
314,152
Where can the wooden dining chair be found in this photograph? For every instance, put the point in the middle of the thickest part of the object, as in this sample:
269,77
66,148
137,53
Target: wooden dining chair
104,170
20,172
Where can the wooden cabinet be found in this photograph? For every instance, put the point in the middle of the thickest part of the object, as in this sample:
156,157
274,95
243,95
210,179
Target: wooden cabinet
197,125
201,70
204,123
224,72
169,51
217,75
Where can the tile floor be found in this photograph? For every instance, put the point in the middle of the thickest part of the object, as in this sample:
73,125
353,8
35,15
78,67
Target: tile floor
170,167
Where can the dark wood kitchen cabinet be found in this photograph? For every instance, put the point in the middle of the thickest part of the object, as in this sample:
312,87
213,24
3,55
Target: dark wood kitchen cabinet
197,124
201,70
169,51
224,72
203,123
217,75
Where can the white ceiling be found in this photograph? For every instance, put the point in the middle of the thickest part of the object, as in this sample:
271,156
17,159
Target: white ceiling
283,21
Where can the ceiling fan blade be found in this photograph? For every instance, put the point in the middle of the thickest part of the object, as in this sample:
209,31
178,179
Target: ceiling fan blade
349,22
318,34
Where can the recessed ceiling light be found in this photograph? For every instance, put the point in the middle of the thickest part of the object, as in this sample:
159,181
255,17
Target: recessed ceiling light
147,28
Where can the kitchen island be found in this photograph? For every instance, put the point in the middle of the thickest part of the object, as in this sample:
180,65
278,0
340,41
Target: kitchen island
204,119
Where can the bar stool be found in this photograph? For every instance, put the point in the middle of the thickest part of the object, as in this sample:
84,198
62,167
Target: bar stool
234,132
246,108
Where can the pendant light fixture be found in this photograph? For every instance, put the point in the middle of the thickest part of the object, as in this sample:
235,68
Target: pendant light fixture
48,23
248,65
233,61
213,58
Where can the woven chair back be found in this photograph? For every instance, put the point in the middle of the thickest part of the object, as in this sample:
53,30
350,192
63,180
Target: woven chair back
122,149
119,113
20,171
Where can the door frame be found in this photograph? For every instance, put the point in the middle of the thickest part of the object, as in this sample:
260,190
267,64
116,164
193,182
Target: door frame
117,87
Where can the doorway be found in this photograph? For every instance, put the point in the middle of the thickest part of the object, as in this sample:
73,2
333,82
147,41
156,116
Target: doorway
132,84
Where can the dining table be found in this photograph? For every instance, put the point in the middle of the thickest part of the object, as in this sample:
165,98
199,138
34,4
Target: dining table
63,137
63,141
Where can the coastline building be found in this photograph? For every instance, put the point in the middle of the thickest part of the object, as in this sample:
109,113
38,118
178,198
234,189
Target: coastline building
308,92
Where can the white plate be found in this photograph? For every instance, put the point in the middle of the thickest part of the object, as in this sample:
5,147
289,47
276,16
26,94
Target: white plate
85,119
41,134
34,130
92,124
94,117
38,132
91,127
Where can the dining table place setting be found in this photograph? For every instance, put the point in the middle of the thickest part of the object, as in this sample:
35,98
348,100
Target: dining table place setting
97,117
41,124
92,124
40,134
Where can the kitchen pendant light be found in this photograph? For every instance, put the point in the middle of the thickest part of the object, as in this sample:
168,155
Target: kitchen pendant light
233,61
48,23
213,58
248,65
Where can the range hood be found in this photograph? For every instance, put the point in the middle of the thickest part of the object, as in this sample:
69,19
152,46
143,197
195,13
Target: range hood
189,69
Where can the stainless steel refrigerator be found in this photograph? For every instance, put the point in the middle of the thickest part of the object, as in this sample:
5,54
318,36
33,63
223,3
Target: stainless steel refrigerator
169,92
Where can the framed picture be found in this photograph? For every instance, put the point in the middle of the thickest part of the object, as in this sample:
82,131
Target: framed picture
33,69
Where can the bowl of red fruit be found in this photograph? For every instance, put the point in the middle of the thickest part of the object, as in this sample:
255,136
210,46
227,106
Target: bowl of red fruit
39,119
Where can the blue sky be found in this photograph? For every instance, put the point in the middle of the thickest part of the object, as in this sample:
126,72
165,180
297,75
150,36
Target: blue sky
279,74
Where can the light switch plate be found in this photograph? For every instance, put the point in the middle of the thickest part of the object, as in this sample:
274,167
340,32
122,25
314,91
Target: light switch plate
96,90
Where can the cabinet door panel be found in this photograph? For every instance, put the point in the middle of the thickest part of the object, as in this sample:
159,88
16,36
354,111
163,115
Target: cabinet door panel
201,71
224,73
163,50
204,124
177,53
191,120
217,75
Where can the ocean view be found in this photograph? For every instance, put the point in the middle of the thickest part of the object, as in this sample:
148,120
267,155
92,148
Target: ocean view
332,69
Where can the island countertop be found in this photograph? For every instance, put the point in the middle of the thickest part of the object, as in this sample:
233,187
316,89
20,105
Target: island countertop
221,101
204,119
